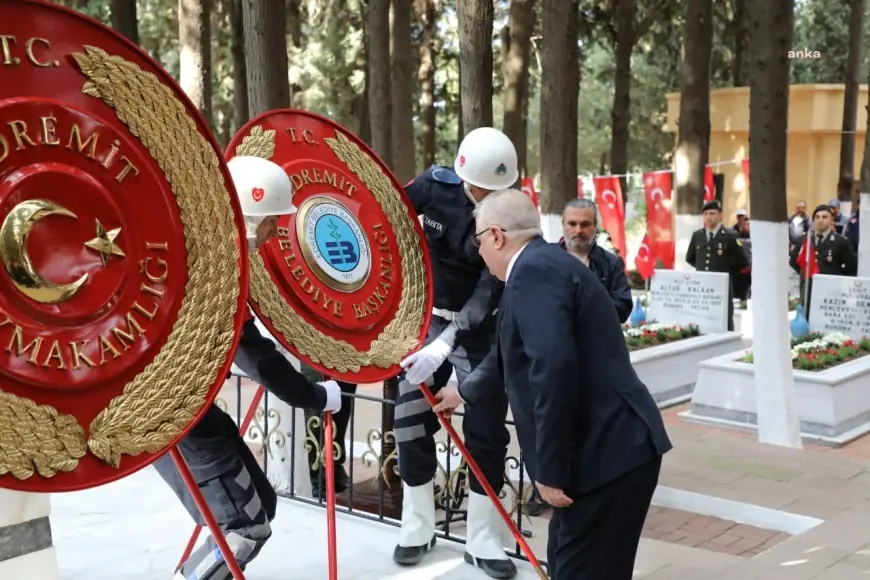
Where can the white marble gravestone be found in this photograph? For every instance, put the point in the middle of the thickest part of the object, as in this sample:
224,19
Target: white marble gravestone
684,298
840,304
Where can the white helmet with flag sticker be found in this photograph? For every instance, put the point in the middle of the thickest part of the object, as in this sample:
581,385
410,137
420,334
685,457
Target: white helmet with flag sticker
264,189
487,159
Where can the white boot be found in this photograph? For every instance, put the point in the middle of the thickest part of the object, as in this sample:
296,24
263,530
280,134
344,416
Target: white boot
485,529
418,515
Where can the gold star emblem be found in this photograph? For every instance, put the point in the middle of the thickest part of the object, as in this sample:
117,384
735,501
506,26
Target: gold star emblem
105,244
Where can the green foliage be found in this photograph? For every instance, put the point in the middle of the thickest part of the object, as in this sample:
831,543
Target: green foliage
823,25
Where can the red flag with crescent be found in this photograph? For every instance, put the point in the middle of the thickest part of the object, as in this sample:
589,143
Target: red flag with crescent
657,188
709,185
746,171
806,260
529,190
608,193
645,261
580,188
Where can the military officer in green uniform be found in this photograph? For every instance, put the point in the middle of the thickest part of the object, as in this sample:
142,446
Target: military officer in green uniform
834,253
715,248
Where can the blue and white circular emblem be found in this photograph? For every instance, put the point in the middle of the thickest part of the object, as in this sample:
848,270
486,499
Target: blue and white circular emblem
337,243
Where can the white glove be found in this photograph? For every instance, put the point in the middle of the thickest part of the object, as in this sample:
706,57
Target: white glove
421,365
333,396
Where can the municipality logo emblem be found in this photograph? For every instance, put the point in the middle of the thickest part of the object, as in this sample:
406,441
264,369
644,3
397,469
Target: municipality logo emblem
501,169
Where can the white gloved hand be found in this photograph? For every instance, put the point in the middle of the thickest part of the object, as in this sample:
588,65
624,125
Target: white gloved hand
333,396
421,365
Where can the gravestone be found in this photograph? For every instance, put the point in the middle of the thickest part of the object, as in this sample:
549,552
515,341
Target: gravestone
684,298
840,304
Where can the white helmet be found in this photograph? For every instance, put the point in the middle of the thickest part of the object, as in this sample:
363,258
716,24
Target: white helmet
487,159
264,189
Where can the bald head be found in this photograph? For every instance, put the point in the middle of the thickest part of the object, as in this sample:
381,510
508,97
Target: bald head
512,211
506,220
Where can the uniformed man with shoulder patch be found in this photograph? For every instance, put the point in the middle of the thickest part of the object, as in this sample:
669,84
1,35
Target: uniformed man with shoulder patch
715,248
460,336
834,253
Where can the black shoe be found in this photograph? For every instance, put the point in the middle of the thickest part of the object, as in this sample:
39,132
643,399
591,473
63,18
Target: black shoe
409,556
536,504
318,482
493,568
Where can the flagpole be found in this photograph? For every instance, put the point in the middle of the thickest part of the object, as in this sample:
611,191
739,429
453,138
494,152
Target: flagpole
646,296
807,274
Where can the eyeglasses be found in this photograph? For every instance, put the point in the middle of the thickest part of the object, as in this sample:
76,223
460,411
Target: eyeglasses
475,239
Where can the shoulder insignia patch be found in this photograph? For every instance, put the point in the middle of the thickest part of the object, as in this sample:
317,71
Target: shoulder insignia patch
445,175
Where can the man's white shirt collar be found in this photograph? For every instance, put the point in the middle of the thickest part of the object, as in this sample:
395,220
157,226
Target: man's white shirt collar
510,266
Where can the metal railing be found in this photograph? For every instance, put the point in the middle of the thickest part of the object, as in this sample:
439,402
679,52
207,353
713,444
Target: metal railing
373,498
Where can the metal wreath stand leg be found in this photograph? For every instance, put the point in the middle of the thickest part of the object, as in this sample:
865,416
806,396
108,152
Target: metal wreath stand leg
214,528
218,535
472,465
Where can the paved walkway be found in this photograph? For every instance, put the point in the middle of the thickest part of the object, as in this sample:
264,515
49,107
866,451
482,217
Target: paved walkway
762,484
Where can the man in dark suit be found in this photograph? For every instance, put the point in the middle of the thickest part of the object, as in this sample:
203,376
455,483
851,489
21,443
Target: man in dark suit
591,434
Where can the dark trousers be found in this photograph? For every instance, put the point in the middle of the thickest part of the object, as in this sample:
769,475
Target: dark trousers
742,283
234,487
596,538
340,422
483,425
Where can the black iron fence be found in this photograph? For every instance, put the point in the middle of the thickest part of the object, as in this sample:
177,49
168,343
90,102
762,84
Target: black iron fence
377,497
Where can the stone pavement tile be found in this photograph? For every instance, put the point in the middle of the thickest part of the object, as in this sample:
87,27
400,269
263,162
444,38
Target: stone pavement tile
815,508
844,570
654,555
848,532
798,551
752,570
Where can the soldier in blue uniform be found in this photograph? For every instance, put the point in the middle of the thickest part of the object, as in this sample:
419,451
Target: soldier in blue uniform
231,480
460,336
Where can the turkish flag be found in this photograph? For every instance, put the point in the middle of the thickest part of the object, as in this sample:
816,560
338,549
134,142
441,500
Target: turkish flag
645,261
709,185
806,260
746,171
658,191
579,188
529,190
608,193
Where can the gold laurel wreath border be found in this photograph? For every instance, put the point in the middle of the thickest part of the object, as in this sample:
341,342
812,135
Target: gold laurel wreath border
164,398
401,334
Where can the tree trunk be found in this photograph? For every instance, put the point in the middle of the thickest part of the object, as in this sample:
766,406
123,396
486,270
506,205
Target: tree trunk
380,88
850,102
294,22
427,13
475,61
517,51
460,130
240,74
740,61
194,48
693,141
864,200
124,19
560,88
266,55
620,112
772,34
365,124
404,154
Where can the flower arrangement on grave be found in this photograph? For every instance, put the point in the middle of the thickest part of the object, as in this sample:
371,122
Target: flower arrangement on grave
654,334
817,352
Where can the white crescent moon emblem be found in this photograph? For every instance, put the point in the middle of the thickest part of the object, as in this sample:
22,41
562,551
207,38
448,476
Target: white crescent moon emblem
659,192
527,190
644,247
706,191
13,251
605,194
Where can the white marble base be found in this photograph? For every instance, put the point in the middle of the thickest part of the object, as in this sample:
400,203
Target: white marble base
669,371
833,404
28,544
40,565
91,542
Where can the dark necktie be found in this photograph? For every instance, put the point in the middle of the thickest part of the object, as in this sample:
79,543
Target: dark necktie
818,241
709,237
